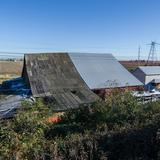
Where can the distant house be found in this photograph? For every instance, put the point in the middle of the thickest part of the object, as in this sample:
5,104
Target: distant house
149,76
103,72
54,75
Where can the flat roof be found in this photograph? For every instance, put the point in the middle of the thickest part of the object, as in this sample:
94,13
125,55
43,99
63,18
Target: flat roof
150,70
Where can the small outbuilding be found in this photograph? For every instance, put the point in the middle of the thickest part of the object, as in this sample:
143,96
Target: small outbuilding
149,76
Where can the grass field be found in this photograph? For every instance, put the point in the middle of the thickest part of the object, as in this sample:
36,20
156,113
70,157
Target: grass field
133,64
10,69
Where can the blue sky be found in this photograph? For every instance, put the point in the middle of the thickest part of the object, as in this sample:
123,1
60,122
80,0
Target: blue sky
114,26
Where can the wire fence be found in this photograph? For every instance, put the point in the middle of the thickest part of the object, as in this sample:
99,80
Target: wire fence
20,55
10,55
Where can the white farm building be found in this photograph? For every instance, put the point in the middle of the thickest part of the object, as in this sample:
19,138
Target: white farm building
149,76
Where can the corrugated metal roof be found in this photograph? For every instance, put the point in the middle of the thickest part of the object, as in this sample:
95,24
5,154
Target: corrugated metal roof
150,70
102,71
54,75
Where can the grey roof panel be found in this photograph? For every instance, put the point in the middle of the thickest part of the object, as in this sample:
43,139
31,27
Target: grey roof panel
102,71
150,70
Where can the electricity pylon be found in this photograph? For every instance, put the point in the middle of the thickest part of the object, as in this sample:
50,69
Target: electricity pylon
152,57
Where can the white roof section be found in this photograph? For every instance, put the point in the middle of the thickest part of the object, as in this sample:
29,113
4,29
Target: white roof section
150,70
102,71
157,80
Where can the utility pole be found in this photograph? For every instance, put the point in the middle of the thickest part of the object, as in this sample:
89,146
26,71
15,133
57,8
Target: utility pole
152,57
139,55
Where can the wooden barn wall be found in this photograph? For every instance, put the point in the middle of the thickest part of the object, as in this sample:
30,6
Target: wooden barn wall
55,75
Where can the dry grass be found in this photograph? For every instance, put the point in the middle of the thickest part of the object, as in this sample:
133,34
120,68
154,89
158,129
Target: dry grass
10,70
10,67
4,77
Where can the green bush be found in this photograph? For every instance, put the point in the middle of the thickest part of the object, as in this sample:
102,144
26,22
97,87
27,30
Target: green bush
119,111
23,136
120,128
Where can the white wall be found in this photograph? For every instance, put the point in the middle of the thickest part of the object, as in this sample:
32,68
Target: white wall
149,78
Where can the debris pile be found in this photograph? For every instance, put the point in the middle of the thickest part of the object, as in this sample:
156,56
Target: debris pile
13,92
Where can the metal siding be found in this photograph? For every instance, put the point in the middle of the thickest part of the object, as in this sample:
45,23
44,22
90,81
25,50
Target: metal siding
150,78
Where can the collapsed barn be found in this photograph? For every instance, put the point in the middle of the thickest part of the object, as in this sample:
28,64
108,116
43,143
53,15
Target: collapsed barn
55,76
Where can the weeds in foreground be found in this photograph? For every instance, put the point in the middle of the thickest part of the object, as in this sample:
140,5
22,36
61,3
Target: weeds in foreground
120,125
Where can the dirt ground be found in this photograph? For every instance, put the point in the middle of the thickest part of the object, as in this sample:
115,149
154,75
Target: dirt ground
133,64
10,69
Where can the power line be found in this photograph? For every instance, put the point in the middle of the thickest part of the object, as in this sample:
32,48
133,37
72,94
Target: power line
1,52
139,55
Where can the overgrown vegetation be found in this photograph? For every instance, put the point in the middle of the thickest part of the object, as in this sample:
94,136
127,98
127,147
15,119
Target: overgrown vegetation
120,128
